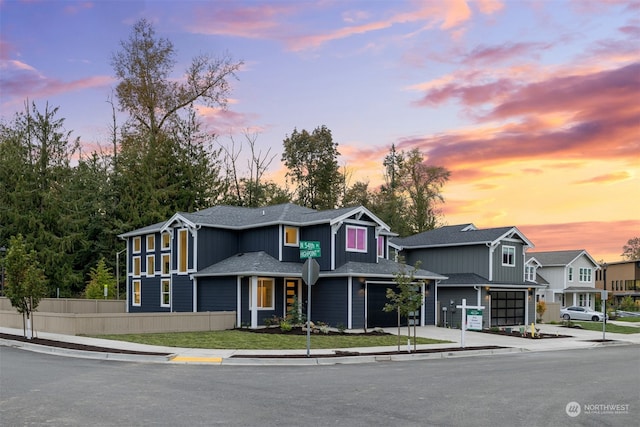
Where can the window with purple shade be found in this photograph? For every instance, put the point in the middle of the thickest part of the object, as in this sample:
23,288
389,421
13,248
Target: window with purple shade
356,239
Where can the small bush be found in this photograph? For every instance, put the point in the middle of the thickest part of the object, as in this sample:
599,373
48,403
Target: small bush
285,326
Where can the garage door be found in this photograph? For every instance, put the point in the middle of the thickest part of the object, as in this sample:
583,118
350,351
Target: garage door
507,308
376,316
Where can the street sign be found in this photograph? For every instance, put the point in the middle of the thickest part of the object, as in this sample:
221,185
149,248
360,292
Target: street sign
309,249
310,271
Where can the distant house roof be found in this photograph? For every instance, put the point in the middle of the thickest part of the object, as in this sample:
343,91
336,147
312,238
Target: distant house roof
473,279
242,218
261,263
459,235
559,258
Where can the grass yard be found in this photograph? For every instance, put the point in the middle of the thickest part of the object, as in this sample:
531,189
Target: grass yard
629,319
242,340
617,329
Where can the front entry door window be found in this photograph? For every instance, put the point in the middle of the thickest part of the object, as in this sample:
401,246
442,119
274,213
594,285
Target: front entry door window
292,296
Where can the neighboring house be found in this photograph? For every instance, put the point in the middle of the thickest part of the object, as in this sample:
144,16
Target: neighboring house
248,260
623,280
570,276
484,266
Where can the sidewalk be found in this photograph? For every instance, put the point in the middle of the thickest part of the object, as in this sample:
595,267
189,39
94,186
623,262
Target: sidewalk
579,339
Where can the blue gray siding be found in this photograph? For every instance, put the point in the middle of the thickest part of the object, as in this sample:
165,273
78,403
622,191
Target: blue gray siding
182,293
217,294
260,239
329,301
317,233
457,259
343,256
214,245
506,274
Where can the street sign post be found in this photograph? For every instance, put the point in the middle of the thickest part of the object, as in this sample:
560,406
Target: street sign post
309,249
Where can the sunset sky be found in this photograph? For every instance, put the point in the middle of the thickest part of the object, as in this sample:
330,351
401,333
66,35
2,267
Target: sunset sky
533,106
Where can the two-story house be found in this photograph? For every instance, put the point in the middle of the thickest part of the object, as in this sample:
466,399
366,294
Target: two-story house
247,260
569,275
483,266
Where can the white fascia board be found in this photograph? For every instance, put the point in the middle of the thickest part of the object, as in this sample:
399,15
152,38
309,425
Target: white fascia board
511,232
177,218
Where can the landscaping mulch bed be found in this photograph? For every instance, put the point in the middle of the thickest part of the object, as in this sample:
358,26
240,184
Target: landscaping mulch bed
517,334
74,346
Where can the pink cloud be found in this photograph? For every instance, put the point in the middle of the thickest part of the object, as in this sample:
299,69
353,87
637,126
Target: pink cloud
607,178
603,240
589,115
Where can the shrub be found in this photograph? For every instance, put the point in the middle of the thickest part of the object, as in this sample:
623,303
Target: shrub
285,326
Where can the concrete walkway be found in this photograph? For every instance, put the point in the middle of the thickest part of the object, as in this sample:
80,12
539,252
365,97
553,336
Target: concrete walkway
579,339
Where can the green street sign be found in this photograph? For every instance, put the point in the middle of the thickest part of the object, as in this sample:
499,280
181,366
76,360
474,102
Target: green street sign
309,249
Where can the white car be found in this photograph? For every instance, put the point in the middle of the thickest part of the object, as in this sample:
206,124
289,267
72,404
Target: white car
580,313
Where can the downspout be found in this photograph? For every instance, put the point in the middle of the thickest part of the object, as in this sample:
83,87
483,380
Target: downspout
492,249
479,297
238,301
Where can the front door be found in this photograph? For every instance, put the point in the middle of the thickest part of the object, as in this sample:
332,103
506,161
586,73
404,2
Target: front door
292,296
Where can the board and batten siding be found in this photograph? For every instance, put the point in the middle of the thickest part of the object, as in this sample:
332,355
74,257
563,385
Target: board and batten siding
329,301
260,239
182,293
343,256
217,293
507,274
456,259
317,233
214,245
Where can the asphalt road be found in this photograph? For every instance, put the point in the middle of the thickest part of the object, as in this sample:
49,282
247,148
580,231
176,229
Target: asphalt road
519,389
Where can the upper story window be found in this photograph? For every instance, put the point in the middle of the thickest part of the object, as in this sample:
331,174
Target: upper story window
585,274
291,236
571,274
151,243
356,239
136,266
530,273
151,265
166,241
137,244
380,247
509,256
166,264
183,250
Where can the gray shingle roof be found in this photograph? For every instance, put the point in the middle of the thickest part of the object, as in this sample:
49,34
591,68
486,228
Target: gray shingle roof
252,263
462,234
555,258
260,263
241,218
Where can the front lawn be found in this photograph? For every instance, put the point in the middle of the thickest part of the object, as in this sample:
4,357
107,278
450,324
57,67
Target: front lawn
629,319
617,329
243,340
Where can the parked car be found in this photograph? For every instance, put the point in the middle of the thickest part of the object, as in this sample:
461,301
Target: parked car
580,313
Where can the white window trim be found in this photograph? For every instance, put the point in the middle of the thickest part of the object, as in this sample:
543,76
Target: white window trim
378,248
273,293
133,266
151,238
366,236
133,293
162,247
162,257
504,249
153,271
133,245
162,304
186,267
297,230
586,273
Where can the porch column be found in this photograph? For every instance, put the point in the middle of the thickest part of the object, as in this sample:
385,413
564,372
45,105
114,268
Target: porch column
239,302
349,302
254,301
422,308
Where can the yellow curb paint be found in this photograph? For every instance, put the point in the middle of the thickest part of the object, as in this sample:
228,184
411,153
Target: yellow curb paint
197,359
